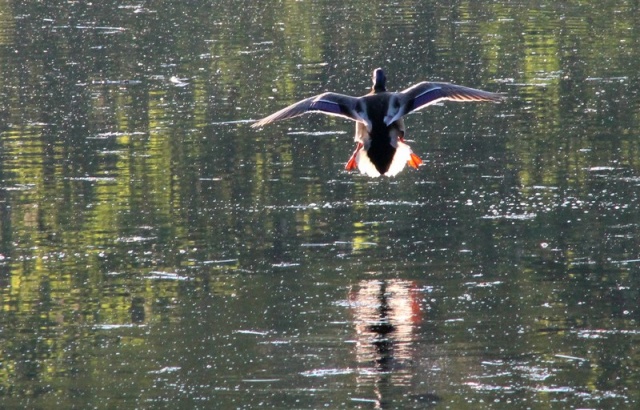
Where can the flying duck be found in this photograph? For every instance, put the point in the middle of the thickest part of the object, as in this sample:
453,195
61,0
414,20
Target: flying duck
380,146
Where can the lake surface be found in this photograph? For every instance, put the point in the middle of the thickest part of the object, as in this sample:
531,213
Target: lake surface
157,252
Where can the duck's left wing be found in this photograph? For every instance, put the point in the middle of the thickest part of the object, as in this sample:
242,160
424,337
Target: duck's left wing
335,104
426,93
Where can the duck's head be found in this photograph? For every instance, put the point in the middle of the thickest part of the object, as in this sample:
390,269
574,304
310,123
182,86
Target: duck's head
379,81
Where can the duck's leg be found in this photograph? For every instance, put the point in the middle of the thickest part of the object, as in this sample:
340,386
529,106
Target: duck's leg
351,164
414,160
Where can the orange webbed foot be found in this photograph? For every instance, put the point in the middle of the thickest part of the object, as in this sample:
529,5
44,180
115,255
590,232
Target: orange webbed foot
351,164
415,161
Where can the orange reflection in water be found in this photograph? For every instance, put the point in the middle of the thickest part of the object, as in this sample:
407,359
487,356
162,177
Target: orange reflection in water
386,313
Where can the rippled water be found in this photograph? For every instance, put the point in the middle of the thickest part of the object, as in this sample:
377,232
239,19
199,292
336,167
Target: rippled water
157,252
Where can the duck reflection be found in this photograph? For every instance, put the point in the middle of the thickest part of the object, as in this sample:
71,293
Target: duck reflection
386,316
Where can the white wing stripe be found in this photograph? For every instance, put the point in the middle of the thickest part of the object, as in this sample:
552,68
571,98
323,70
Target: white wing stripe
428,91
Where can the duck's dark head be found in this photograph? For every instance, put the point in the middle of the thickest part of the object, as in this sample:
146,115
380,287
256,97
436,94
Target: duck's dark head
379,81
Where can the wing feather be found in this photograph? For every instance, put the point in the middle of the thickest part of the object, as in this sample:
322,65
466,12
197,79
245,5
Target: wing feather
334,104
426,93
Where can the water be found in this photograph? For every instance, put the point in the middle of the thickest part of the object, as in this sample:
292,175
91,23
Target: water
157,252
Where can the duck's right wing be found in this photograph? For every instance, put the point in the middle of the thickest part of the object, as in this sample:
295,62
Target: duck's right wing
426,93
335,104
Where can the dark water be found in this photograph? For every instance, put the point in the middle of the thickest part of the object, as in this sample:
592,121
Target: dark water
156,252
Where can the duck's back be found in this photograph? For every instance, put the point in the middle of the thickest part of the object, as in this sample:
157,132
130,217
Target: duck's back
377,106
380,150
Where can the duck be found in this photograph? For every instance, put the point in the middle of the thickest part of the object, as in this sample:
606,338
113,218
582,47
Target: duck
381,148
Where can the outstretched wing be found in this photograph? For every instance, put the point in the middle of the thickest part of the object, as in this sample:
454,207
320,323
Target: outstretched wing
426,93
339,105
